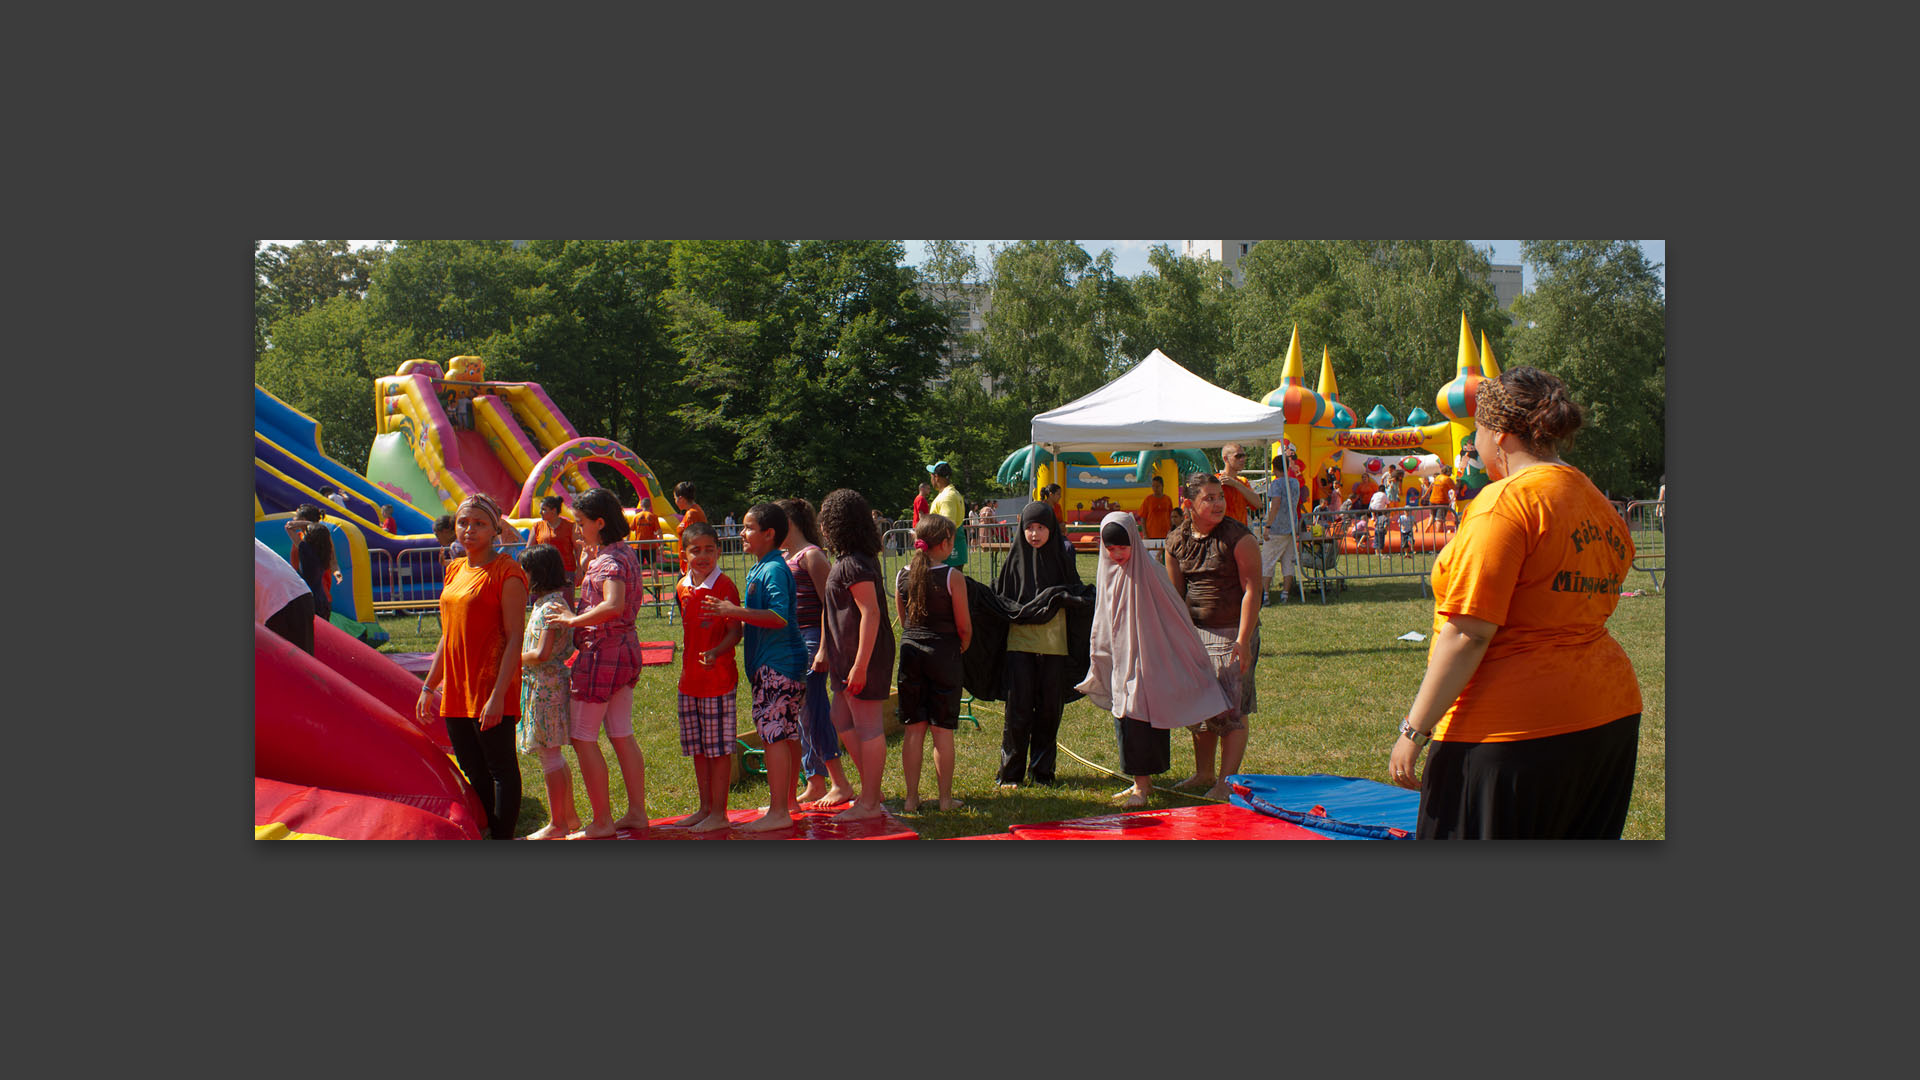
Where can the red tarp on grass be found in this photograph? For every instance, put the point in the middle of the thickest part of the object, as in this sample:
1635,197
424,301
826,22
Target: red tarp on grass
1216,821
808,825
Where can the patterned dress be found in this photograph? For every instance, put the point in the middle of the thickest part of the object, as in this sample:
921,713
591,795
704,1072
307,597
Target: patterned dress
545,715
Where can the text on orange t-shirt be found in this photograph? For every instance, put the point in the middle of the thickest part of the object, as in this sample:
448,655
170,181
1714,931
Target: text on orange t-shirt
1541,555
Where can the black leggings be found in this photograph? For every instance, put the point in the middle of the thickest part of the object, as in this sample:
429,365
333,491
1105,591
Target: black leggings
1036,693
492,767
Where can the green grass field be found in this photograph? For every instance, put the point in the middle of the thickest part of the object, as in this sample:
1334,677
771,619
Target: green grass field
1333,684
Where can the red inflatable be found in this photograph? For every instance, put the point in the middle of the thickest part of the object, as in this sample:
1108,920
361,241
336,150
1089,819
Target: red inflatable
312,727
289,811
373,671
1214,821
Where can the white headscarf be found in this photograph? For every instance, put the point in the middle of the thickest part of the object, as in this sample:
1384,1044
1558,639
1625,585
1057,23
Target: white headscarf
1147,662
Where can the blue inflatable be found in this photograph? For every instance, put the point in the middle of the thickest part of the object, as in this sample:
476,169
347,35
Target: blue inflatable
1341,807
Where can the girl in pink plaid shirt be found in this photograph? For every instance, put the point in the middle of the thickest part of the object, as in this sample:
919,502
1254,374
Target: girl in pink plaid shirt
608,666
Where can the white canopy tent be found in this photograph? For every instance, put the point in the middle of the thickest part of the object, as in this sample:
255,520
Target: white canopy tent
1158,405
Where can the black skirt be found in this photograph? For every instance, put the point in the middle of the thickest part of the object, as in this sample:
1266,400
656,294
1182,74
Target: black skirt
1145,750
1573,787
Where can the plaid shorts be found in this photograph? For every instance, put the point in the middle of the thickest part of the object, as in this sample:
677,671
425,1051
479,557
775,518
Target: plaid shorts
706,726
777,701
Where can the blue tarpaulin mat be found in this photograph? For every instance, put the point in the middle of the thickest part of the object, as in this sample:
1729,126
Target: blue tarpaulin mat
1343,807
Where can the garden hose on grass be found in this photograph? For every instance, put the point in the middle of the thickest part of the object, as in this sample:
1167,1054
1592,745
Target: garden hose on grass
1068,750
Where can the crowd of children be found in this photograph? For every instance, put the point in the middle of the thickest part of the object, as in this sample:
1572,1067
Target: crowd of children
541,653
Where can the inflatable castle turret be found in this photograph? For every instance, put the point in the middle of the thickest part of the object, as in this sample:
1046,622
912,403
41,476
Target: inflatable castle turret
1325,431
1305,409
1341,415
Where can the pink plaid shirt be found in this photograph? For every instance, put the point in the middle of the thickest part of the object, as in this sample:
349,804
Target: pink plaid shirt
610,651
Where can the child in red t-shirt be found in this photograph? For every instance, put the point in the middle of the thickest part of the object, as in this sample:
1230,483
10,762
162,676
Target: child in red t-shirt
708,678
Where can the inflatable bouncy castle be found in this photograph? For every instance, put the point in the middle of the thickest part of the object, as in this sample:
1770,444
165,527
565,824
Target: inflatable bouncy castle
1325,432
1093,484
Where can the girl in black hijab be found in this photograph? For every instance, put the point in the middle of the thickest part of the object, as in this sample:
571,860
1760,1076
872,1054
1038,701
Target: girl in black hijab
1037,646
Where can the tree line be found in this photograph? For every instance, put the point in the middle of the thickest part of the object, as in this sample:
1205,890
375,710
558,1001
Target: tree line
766,368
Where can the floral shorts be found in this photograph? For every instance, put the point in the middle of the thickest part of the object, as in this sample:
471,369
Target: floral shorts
777,701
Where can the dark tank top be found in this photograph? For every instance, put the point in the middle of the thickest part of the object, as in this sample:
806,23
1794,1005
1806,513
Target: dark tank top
1213,591
939,618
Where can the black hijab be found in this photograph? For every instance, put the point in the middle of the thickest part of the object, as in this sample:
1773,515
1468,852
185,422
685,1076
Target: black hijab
1031,569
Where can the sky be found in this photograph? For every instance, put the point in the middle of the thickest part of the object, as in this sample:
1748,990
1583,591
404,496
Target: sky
1130,256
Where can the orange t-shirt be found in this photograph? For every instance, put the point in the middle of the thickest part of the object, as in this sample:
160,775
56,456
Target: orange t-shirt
702,632
1237,505
1156,517
473,638
1541,555
561,537
692,514
1437,492
645,525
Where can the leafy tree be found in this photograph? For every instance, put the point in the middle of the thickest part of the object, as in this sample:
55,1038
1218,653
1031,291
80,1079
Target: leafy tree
594,334
295,280
1388,310
1596,318
1053,332
441,298
323,363
1181,306
806,364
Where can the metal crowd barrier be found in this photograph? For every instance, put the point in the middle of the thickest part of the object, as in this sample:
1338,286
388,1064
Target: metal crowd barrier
1647,525
1378,553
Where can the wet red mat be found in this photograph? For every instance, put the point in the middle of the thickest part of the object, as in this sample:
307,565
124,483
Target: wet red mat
808,825
419,663
1216,821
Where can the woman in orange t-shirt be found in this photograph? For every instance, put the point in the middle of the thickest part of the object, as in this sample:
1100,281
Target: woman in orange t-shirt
1533,708
476,664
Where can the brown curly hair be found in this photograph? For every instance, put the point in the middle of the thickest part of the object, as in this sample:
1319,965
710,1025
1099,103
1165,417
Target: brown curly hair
846,524
1531,404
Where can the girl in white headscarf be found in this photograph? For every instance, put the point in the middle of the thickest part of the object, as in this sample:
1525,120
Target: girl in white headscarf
1137,616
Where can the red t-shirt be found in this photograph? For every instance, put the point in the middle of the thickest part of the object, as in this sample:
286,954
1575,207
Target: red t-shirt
703,632
920,506
561,537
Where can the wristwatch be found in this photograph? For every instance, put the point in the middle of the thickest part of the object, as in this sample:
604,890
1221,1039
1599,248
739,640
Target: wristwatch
1420,738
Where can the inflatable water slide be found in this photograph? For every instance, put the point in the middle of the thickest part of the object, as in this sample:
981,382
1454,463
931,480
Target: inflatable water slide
443,434
439,438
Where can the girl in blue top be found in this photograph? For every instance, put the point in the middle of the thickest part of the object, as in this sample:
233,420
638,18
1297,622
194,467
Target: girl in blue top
776,659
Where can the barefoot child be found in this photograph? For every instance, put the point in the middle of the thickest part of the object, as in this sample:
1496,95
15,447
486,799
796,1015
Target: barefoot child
545,718
857,648
819,743
604,674
935,629
776,658
1147,667
708,680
